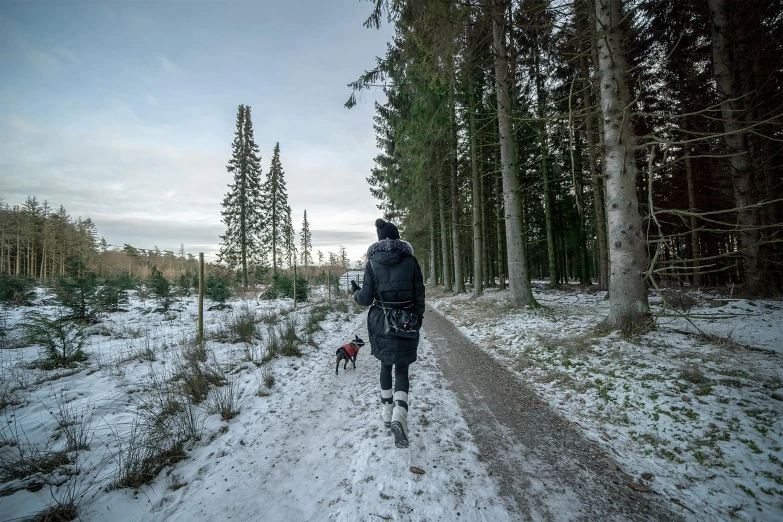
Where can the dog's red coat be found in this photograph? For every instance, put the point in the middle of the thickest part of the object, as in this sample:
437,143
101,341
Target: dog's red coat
351,349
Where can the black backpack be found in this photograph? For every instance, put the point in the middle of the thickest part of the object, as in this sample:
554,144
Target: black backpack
399,319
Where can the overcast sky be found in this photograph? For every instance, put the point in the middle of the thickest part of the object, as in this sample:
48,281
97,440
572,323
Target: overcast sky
124,112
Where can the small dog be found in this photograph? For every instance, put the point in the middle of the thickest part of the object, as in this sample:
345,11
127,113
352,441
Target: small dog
348,352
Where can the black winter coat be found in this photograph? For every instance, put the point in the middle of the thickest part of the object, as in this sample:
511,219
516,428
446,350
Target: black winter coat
396,275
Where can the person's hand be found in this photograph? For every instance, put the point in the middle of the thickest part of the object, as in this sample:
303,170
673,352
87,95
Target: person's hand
354,286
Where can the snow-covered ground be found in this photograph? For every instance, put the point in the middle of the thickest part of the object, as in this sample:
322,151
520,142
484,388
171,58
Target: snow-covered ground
691,409
309,447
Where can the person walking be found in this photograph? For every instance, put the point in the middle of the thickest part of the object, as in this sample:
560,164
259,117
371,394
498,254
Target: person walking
393,287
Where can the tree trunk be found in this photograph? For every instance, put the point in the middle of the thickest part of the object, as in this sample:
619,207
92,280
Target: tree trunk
736,141
478,223
499,227
485,253
433,277
521,293
444,239
544,151
627,244
459,278
243,232
596,183
696,280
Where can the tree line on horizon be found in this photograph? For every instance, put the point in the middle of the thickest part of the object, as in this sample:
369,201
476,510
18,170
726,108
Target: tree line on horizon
626,142
42,243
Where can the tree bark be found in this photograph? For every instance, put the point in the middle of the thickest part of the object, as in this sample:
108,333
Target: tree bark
521,293
544,150
724,66
696,280
499,226
433,276
444,239
629,307
459,278
486,265
596,183
478,223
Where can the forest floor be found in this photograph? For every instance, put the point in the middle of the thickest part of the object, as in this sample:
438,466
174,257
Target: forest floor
673,420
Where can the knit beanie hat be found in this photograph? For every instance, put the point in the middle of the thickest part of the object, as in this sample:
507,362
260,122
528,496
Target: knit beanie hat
386,230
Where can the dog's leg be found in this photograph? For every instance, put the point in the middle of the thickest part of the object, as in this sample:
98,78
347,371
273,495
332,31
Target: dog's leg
353,360
337,369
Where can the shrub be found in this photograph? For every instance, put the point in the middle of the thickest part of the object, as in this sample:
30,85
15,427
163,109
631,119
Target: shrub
267,377
272,344
283,286
19,458
147,450
64,512
16,290
197,377
73,423
289,339
317,314
125,281
224,400
196,352
340,305
113,295
194,382
61,340
243,324
78,294
218,287
185,283
161,288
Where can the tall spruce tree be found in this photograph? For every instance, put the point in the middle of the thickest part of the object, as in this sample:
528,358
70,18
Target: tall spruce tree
276,208
628,306
289,238
306,242
242,212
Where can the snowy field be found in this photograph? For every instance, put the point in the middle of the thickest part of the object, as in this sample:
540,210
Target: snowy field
692,409
154,426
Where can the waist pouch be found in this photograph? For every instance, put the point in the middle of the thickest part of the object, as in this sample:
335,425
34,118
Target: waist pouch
402,323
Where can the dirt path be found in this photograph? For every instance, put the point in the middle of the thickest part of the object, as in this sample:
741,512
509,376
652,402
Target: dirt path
545,468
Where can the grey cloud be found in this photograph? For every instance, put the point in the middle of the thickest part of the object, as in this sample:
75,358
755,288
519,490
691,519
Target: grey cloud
167,234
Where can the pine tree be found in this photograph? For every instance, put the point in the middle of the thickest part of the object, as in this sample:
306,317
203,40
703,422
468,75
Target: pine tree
289,237
306,242
344,261
276,208
521,293
241,245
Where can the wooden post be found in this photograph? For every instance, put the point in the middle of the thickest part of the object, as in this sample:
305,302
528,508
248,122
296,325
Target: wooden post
201,297
294,283
329,284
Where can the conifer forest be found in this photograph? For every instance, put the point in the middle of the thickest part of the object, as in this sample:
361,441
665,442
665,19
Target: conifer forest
631,144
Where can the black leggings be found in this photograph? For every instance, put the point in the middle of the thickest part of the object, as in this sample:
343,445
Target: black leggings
400,377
